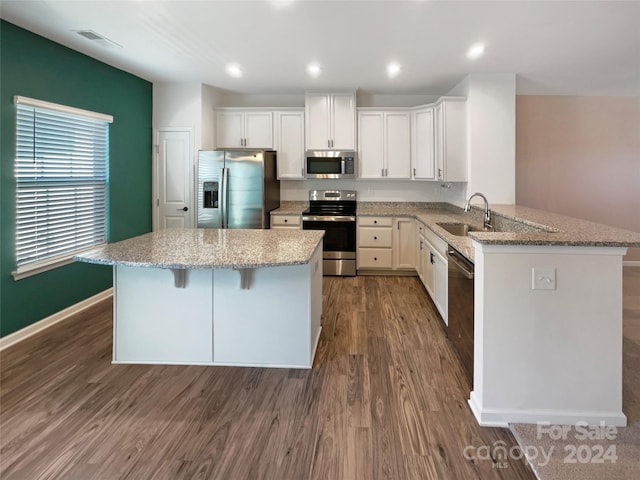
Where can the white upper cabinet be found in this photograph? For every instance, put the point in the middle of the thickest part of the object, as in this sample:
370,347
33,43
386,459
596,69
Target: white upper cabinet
244,129
384,144
423,159
289,142
451,140
330,121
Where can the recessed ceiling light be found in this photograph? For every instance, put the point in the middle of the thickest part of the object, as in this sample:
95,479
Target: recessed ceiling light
313,69
476,51
393,69
234,70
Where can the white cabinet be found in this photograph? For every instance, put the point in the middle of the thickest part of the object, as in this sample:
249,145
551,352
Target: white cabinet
404,248
285,221
244,129
423,159
375,243
433,267
450,130
330,121
289,143
384,144
386,243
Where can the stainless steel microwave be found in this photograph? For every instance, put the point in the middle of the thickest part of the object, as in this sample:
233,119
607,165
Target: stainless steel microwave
330,164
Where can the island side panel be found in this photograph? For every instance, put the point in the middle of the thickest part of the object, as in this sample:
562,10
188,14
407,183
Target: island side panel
273,323
155,322
548,355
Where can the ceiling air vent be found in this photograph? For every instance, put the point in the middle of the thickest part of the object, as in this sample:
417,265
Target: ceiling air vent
97,38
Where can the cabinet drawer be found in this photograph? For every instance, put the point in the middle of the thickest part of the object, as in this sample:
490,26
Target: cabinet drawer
374,258
374,237
375,221
285,220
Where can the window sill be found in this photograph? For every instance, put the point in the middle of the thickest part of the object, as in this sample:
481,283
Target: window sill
49,264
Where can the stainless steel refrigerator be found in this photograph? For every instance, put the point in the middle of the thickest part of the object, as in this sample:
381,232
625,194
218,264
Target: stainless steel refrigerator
237,188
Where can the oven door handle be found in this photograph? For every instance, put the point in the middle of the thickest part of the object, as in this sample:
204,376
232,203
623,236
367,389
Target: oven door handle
328,218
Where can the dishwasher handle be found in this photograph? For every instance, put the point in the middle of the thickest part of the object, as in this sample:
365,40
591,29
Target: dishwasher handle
463,265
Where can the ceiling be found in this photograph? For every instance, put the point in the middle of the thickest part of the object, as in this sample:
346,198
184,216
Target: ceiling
555,48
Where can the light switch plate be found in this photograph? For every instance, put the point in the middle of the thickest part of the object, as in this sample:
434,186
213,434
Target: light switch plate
543,278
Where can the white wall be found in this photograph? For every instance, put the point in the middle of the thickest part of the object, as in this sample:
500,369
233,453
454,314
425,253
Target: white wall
491,127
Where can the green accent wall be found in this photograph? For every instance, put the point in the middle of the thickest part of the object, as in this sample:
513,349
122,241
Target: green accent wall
35,67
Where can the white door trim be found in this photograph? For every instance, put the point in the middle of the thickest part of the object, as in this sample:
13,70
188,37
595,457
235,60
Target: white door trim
155,194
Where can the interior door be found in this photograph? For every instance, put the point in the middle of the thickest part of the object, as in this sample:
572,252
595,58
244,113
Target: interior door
174,202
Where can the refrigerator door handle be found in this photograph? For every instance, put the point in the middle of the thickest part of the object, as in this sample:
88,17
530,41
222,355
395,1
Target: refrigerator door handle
225,197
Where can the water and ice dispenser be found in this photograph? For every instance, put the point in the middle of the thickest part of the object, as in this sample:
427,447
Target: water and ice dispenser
210,199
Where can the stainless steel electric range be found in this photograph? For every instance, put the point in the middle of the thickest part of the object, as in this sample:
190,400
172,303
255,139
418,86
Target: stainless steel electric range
334,211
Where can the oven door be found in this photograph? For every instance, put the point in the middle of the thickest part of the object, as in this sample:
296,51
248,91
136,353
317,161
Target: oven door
340,234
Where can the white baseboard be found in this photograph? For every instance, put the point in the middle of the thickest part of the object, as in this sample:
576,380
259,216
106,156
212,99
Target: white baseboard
30,330
631,263
503,417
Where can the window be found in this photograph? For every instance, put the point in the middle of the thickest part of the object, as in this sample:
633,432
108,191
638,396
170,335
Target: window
61,172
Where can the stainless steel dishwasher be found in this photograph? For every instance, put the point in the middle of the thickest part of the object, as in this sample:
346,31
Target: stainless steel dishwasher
460,308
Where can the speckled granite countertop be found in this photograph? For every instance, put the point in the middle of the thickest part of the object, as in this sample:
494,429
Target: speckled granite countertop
209,248
291,208
515,225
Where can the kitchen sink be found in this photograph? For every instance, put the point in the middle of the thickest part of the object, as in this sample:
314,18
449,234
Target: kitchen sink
459,229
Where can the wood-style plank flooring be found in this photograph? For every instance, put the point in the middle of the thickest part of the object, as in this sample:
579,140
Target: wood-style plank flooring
386,399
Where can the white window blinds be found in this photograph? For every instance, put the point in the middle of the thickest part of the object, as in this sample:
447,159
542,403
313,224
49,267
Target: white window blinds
61,172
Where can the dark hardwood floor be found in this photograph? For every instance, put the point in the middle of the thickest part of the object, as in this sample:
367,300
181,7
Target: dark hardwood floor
386,399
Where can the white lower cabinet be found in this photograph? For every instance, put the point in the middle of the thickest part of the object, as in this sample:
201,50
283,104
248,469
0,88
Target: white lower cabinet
285,221
433,267
375,243
386,243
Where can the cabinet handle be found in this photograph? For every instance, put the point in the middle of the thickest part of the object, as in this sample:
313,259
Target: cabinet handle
375,258
414,172
375,238
431,259
328,143
285,220
375,221
420,244
439,173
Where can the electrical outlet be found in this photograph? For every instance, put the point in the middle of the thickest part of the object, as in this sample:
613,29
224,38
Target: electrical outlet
543,278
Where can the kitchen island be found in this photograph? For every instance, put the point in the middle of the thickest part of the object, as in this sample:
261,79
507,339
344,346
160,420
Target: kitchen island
216,297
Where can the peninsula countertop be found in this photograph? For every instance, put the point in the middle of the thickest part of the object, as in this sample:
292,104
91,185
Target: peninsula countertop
209,248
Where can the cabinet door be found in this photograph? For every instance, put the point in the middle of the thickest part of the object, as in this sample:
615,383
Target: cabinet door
423,150
404,244
229,131
428,266
441,282
397,145
289,134
370,144
258,130
343,133
317,121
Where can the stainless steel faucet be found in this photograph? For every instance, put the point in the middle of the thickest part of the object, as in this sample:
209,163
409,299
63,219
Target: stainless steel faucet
487,212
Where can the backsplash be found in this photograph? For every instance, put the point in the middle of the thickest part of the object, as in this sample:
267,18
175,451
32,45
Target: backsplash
379,191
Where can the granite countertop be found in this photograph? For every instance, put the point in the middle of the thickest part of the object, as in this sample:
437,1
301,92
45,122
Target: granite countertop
209,248
515,225
291,208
